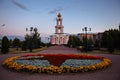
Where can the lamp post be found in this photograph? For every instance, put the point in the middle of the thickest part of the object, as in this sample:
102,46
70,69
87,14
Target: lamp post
2,26
86,29
30,38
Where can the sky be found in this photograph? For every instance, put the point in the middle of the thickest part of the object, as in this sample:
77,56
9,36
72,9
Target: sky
17,15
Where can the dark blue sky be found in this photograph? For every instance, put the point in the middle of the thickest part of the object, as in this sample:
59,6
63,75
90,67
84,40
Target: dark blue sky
100,15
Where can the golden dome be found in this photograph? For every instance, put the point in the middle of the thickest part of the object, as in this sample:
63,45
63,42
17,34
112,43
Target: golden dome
59,15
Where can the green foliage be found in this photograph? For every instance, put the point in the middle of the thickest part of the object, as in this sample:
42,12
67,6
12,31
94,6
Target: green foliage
24,45
110,43
97,44
10,42
16,43
32,41
87,43
110,40
84,43
73,41
5,45
104,40
69,44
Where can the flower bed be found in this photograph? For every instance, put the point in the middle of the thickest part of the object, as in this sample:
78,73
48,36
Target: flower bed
56,63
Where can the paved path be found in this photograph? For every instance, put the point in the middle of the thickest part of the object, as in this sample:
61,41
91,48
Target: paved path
111,73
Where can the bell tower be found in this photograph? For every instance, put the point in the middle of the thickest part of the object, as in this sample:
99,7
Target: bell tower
59,27
59,38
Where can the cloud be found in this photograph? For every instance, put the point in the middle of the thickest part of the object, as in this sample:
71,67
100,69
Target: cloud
56,10
3,25
20,5
75,3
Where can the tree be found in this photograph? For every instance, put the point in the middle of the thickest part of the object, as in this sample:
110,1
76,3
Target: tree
5,45
110,43
24,45
96,44
110,40
36,38
104,40
69,44
85,44
16,43
32,40
10,43
116,38
73,41
89,44
28,42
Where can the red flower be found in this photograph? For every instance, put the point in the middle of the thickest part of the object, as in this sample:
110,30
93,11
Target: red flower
58,59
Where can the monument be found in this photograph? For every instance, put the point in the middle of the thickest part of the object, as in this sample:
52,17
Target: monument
59,38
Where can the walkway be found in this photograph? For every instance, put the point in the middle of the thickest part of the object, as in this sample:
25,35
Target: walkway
60,49
111,73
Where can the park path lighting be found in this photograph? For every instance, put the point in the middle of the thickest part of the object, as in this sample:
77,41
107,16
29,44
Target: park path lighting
29,30
86,29
30,38
2,26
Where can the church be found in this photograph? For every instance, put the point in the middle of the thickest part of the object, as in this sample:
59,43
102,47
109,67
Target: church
59,38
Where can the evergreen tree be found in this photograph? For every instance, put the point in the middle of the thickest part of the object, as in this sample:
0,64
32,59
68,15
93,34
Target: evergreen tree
114,35
32,41
110,43
16,43
36,38
96,45
73,41
10,43
104,40
69,44
5,45
24,45
89,44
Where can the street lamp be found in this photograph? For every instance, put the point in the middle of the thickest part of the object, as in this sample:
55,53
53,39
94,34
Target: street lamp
30,38
2,26
86,29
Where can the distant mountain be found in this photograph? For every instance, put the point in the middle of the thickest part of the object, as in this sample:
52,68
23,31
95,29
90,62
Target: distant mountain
45,38
12,37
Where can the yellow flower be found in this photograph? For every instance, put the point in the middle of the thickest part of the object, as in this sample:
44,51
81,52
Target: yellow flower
9,63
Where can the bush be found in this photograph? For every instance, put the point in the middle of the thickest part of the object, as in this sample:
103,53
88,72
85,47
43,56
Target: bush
110,44
5,45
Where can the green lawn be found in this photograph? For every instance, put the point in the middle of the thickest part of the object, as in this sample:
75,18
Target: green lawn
104,52
14,50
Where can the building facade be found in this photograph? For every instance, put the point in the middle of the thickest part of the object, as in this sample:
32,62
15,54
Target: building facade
92,36
59,38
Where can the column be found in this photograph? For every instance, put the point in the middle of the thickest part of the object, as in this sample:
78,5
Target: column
56,29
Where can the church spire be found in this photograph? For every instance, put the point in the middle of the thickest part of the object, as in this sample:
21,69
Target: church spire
59,19
59,27
59,15
59,37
